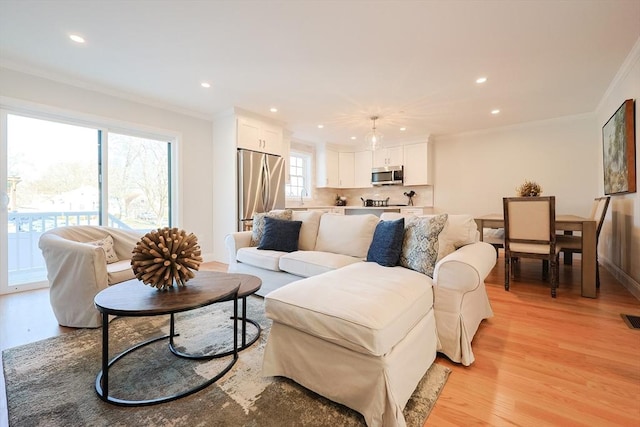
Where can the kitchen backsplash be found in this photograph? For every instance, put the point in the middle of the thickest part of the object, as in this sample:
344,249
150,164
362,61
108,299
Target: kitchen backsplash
395,193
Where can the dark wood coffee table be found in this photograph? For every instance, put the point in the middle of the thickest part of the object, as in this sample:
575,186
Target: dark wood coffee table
249,285
133,298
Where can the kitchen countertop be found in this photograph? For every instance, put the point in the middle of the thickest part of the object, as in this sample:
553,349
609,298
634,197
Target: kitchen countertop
355,207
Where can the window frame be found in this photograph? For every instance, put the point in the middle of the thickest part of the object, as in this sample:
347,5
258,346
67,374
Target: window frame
306,175
9,106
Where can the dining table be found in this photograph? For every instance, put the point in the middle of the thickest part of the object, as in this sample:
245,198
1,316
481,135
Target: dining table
568,224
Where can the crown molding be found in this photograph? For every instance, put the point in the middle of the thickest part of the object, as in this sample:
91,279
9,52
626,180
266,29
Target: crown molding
94,87
623,72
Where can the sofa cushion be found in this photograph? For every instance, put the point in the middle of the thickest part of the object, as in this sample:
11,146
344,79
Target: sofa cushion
312,263
266,259
257,225
346,234
309,230
280,235
387,243
364,307
119,271
460,230
420,245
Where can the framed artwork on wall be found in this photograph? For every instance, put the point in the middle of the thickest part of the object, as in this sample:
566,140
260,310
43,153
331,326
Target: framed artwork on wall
619,150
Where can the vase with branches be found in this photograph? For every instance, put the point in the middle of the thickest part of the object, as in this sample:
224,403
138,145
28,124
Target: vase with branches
529,189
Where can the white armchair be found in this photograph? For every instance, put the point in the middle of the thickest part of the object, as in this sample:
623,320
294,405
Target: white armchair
78,270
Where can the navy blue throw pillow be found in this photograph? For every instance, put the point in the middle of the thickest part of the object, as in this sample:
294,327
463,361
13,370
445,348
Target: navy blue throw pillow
280,235
386,245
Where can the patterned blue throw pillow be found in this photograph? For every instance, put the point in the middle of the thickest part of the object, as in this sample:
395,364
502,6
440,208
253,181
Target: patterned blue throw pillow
280,235
386,245
420,245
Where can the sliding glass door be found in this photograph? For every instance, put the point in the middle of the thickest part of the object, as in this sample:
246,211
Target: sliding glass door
52,180
59,174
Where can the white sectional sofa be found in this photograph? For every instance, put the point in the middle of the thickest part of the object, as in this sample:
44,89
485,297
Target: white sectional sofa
336,316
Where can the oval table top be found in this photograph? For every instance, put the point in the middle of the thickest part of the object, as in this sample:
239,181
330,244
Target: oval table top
134,298
248,284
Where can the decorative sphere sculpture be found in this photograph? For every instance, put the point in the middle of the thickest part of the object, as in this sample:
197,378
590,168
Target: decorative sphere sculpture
166,256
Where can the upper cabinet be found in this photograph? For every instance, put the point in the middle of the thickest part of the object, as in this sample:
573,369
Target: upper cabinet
342,169
363,161
327,169
417,164
253,134
346,171
392,156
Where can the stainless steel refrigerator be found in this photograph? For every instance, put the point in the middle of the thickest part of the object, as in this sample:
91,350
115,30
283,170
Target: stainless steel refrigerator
261,182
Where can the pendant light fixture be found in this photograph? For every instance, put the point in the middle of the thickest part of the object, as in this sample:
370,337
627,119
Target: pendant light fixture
373,140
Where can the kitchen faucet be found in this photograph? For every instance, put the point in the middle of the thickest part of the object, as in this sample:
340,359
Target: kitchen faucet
303,192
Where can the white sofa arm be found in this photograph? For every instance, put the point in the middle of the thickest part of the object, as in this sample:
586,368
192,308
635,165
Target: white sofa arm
235,241
466,268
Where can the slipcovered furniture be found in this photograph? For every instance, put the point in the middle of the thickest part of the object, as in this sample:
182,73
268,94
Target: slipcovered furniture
530,232
569,245
77,269
371,324
332,242
335,316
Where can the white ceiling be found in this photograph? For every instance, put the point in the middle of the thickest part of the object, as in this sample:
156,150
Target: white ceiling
413,63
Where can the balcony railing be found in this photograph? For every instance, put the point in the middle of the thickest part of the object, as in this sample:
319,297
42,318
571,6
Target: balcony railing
26,264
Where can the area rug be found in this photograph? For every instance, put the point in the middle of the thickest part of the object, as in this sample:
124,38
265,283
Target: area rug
52,382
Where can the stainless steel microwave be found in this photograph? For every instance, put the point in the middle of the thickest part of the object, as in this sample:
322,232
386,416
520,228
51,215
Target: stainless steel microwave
387,175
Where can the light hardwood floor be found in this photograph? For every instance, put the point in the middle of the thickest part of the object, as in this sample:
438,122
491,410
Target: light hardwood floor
569,361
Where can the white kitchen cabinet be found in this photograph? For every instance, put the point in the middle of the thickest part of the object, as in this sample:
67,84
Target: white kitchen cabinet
345,170
362,164
391,156
286,155
417,164
255,135
327,169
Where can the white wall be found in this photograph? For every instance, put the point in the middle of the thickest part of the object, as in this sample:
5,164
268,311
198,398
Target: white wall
195,140
620,235
474,171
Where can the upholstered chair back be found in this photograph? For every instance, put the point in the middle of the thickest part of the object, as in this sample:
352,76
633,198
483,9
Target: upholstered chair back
530,224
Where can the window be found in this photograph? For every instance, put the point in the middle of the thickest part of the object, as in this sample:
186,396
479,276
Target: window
60,173
300,175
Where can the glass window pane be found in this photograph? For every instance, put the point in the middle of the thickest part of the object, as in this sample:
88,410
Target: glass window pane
52,180
138,182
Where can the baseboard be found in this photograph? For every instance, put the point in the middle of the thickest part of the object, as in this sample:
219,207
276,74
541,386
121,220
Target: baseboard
626,280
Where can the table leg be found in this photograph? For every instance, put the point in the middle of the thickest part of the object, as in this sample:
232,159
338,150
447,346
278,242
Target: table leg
235,326
568,255
244,321
105,358
589,251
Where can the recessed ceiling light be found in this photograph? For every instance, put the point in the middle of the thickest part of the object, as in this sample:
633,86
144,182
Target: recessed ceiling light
205,85
496,111
402,129
320,126
481,80
76,38
353,137
273,109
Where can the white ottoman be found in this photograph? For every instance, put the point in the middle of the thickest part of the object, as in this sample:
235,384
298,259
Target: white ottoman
362,336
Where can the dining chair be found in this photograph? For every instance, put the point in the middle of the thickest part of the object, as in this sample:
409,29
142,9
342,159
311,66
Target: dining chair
530,232
569,245
495,237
